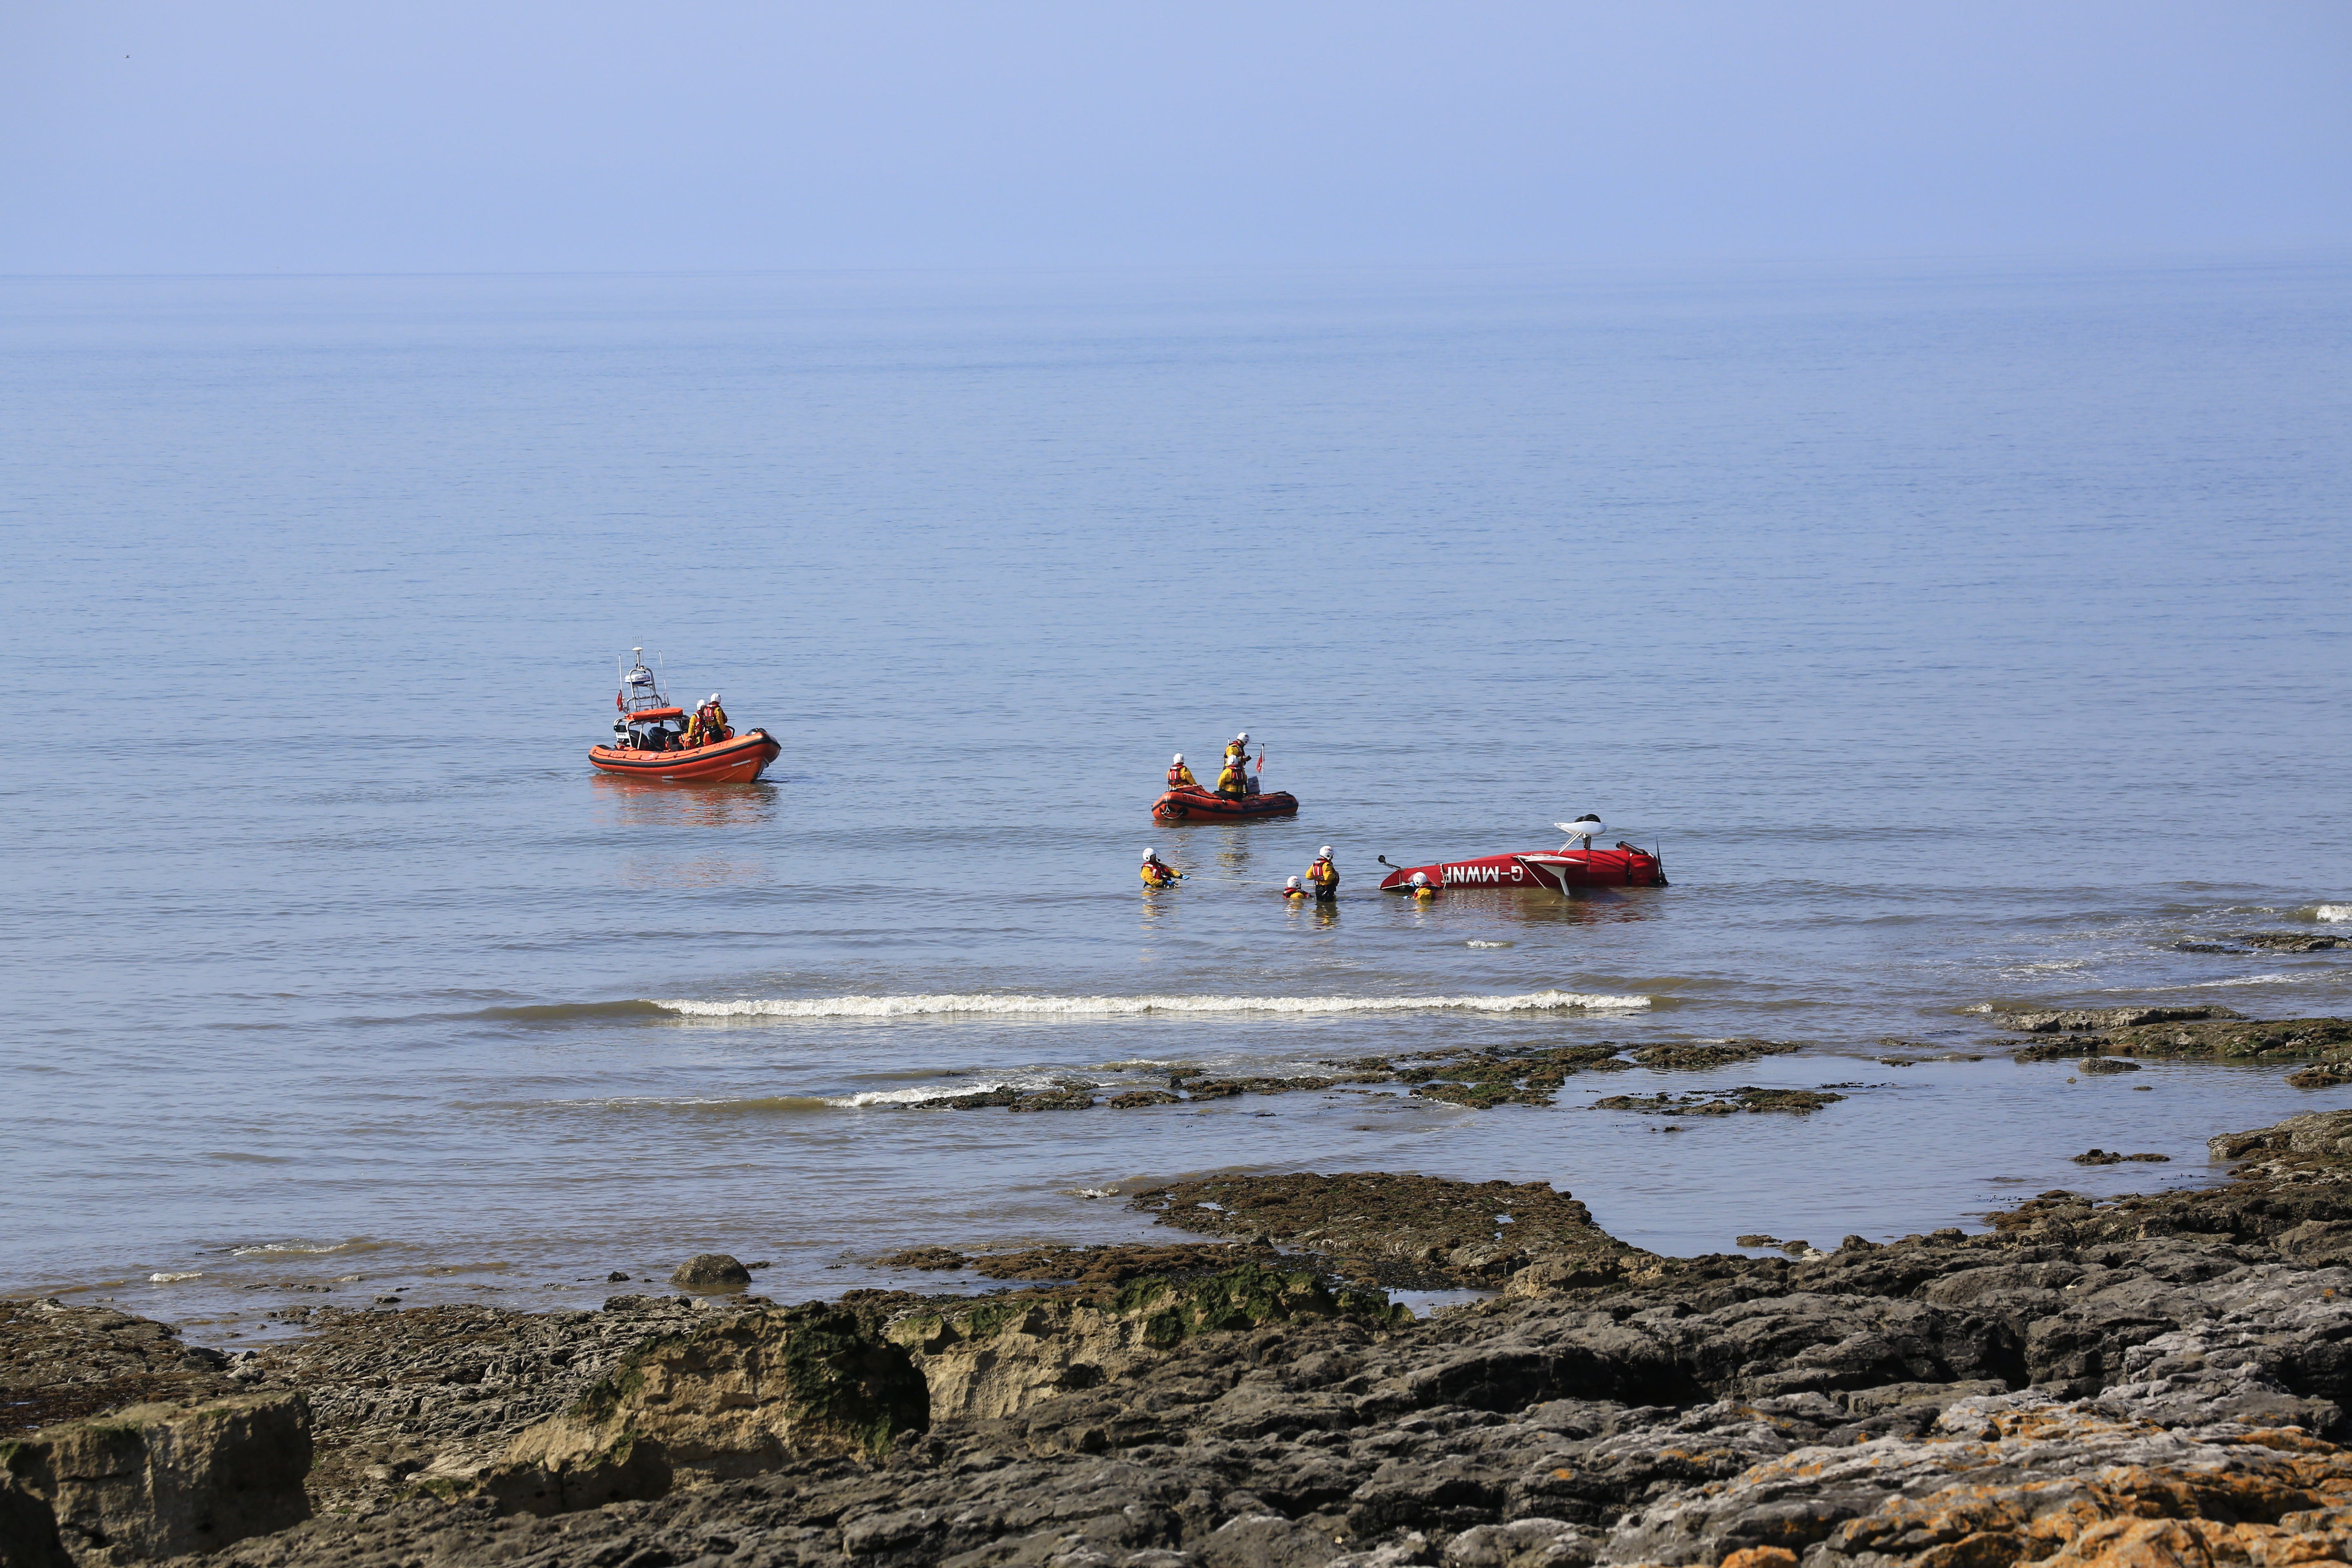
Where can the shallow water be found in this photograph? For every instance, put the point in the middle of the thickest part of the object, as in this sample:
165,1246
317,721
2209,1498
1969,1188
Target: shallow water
1964,637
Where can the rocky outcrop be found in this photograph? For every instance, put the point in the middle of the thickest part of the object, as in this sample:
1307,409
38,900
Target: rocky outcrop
2017,1478
60,1362
2316,1145
430,1396
711,1271
1392,1229
1479,1077
2162,1378
729,1398
157,1480
2210,1034
2083,1020
995,1357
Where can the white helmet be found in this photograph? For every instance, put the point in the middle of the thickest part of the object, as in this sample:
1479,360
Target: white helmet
1292,883
1179,760
1420,878
1242,736
1151,855
1325,852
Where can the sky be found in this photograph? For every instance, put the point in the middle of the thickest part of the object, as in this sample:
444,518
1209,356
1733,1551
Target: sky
158,136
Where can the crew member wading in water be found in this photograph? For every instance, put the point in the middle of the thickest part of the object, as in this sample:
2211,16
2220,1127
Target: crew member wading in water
1158,873
1325,876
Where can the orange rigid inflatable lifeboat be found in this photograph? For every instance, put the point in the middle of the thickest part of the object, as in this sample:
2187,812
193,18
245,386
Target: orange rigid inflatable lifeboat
1187,800
649,740
1198,804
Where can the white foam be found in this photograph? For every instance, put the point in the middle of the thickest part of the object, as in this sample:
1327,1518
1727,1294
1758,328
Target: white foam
1476,944
935,1092
917,1006
2332,913
174,1278
300,1246
2208,984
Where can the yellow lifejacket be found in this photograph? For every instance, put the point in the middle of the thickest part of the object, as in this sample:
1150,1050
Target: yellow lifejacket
1323,874
1181,777
1155,875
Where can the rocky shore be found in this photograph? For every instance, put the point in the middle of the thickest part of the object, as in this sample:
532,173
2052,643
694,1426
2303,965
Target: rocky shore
2159,1379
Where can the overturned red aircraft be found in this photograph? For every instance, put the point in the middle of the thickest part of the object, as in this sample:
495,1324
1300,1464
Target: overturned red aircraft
1575,864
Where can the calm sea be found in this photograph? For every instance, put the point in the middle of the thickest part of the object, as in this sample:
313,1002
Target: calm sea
1964,635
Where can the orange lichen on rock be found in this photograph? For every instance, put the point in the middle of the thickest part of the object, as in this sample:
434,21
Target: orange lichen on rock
2262,1505
2021,1479
1760,1557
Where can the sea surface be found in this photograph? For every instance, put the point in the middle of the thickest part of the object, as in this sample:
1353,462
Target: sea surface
1965,635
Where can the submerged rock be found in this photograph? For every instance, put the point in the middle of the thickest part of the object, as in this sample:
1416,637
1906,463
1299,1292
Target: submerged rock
1483,1080
2226,1038
925,1258
2080,1020
1680,1055
1722,1102
2291,940
2107,1157
1114,1264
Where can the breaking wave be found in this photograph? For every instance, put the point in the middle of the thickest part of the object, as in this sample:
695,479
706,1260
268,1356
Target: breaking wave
716,1105
564,1011
307,1248
919,1006
2332,913
917,1095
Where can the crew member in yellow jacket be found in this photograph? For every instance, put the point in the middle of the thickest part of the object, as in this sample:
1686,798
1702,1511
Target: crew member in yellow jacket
1324,876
